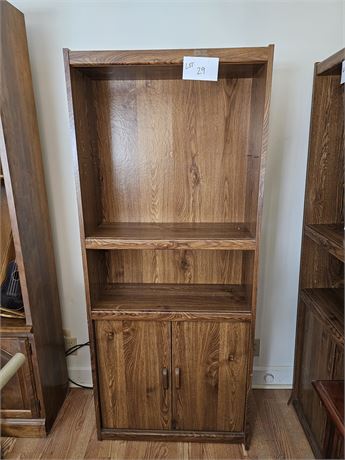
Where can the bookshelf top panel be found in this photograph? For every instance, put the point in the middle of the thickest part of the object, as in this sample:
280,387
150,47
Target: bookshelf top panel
166,64
331,65
250,55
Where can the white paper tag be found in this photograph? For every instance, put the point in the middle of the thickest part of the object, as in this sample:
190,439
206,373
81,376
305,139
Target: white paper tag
342,77
200,68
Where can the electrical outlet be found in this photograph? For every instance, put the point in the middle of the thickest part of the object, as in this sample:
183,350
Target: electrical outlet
257,347
69,343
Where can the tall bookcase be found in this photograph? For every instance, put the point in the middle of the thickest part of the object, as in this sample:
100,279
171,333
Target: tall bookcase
319,351
170,177
32,398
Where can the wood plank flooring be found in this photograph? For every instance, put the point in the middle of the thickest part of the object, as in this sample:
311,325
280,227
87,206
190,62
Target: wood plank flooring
277,434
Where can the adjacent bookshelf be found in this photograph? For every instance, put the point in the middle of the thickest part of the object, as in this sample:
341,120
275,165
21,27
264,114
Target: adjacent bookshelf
32,399
319,350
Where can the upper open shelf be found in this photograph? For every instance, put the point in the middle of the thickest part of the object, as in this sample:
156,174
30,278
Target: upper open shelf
151,147
171,236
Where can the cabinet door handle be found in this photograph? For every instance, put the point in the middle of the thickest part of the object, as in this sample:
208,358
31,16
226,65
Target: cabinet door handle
177,377
165,375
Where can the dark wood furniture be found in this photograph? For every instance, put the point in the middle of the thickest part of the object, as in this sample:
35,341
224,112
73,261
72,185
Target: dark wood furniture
170,177
31,400
331,394
319,353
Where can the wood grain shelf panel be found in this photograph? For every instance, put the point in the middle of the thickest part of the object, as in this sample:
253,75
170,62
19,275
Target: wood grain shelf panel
171,236
330,236
14,325
329,304
176,300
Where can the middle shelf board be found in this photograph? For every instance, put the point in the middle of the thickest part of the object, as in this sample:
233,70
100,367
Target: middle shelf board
330,236
132,235
178,298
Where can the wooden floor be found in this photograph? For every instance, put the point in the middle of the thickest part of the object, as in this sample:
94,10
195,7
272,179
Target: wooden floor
277,434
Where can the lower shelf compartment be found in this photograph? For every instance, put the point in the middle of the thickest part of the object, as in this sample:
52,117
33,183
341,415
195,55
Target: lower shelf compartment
173,298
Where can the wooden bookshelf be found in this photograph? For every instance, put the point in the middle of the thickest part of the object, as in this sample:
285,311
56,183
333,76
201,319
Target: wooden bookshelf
170,178
319,352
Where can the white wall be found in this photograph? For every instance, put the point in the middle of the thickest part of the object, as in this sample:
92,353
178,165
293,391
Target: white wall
303,32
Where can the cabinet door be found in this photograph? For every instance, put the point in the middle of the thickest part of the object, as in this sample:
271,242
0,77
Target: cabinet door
316,364
209,375
134,374
18,397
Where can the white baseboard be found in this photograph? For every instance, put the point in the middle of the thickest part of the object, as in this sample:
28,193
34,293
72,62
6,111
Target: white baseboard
272,377
272,387
263,377
80,375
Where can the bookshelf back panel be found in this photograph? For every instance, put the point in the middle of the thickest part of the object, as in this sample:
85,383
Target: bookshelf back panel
168,150
173,150
160,266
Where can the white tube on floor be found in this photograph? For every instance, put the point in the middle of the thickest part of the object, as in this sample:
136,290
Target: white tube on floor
10,368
